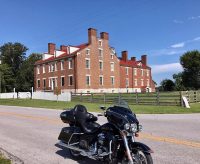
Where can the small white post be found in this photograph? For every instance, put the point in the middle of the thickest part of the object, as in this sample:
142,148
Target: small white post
13,93
31,92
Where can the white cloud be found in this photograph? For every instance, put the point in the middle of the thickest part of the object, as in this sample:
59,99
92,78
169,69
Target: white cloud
196,39
166,68
178,21
194,17
178,45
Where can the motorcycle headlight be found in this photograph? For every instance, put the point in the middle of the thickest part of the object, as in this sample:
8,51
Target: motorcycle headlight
134,128
127,126
140,127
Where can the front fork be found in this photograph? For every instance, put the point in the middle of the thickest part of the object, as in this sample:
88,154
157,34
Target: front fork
128,152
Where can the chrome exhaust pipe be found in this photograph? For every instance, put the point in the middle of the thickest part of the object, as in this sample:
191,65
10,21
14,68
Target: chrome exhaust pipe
70,146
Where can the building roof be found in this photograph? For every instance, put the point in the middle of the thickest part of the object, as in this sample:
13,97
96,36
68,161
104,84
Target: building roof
131,63
64,55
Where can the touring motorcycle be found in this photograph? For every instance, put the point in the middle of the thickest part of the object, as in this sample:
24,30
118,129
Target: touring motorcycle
113,142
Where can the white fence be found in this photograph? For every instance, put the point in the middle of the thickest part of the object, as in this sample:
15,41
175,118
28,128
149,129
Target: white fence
8,95
66,96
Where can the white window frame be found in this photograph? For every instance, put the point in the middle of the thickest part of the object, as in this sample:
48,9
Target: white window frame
135,71
136,82
100,42
112,80
142,72
100,54
69,80
142,82
101,61
61,81
127,82
148,73
101,76
127,70
70,63
87,59
112,69
43,68
37,83
62,65
148,82
38,69
87,51
89,80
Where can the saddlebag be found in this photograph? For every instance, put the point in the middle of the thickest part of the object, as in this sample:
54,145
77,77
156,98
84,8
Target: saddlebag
70,135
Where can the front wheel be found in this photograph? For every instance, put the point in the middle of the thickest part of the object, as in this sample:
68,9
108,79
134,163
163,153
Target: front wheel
141,157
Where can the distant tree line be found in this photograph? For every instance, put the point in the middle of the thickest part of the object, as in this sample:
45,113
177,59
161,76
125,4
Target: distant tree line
189,79
16,69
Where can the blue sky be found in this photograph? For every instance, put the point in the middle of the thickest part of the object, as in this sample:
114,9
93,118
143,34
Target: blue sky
163,30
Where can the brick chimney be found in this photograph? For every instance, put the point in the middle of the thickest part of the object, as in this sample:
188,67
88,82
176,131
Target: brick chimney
92,35
125,55
104,35
51,48
133,59
63,48
144,59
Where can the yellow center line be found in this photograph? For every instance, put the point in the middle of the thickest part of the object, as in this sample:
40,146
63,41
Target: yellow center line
53,121
142,135
170,140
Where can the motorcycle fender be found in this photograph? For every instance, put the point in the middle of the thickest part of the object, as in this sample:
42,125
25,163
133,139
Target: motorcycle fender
141,146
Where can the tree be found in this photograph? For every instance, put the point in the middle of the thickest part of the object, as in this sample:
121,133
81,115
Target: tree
13,54
179,86
25,76
191,74
6,77
167,85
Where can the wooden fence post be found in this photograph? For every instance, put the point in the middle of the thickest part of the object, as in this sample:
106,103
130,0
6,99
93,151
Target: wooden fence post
136,98
91,97
181,101
104,98
157,98
81,99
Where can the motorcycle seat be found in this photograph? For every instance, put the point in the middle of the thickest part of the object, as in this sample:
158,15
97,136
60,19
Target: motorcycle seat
85,120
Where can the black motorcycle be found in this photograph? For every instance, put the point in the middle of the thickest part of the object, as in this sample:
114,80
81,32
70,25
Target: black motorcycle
113,142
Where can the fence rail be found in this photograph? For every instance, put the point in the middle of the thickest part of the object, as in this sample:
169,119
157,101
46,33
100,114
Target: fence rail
158,98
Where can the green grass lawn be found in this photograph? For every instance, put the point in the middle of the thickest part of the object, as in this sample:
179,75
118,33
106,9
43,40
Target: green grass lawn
94,107
4,161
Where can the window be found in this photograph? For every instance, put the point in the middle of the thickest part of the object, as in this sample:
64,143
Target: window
43,68
100,53
142,72
101,80
100,43
70,80
44,83
142,82
70,63
62,81
87,63
148,83
112,80
88,80
127,82
101,65
112,66
87,51
135,82
135,71
62,65
38,69
148,73
38,83
112,56
126,70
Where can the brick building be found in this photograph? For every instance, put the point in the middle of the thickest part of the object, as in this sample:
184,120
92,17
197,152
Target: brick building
91,67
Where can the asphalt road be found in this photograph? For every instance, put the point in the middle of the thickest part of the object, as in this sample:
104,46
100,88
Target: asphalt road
31,135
